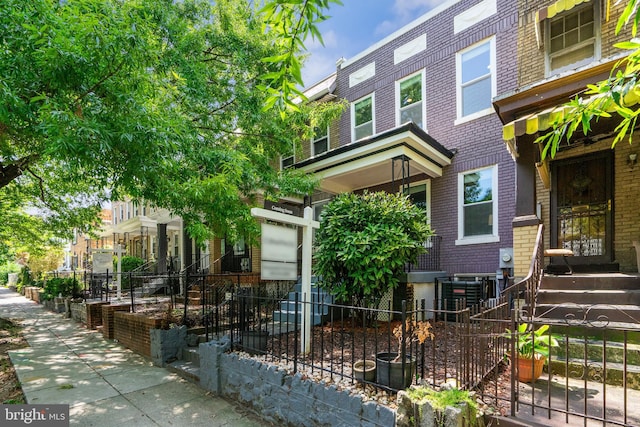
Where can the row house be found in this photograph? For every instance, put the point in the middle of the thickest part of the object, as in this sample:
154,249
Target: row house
420,121
586,195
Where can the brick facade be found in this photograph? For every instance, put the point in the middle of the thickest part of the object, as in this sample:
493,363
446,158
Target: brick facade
477,143
531,75
531,59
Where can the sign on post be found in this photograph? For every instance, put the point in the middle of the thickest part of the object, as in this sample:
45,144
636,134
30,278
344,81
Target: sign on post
308,224
279,250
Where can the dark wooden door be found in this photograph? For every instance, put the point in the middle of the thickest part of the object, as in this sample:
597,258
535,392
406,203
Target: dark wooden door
581,207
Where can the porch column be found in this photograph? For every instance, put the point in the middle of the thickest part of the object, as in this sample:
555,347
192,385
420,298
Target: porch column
187,252
162,248
525,224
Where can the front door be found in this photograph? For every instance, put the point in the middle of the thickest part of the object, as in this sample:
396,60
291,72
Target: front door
581,208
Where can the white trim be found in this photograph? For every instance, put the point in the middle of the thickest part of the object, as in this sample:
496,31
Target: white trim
489,238
492,71
474,15
474,116
409,49
373,115
423,92
362,74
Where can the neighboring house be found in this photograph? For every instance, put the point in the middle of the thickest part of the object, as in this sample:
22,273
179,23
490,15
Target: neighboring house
587,195
420,121
78,250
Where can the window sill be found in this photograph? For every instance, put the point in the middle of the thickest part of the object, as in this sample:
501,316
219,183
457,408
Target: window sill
477,240
474,116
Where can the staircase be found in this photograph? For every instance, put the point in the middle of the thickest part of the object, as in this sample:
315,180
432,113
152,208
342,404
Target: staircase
151,286
189,366
319,299
590,312
601,299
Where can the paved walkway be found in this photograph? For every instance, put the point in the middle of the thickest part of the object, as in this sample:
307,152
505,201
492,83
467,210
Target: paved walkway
104,383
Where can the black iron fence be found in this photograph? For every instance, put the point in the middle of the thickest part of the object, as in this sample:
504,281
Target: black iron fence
430,260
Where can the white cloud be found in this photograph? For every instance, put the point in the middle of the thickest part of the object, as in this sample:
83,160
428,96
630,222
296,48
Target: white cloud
405,11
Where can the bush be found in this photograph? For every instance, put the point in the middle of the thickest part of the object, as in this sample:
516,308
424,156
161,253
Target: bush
364,243
24,279
129,263
60,286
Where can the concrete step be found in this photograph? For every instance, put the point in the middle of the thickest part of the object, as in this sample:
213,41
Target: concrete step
594,371
612,281
187,370
590,297
191,354
290,317
575,349
598,314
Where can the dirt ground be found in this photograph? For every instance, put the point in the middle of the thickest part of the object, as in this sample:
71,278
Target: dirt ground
10,339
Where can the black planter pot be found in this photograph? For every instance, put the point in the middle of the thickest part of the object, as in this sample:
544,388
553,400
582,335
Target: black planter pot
254,342
389,373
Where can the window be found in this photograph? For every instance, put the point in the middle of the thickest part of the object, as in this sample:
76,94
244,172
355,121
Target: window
362,118
410,105
476,79
420,195
478,211
286,162
573,39
320,140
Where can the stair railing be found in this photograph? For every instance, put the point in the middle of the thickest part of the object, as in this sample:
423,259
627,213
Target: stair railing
531,283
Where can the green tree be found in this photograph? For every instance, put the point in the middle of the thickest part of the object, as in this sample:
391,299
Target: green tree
185,104
364,242
616,96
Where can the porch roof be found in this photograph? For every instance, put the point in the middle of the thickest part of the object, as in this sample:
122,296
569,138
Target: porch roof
367,163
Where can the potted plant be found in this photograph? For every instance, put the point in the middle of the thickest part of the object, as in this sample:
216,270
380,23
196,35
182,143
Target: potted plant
391,370
532,350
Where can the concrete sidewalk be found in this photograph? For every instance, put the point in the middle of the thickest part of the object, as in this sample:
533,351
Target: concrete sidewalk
104,383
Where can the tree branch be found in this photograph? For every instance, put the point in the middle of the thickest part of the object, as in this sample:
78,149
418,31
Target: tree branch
40,184
15,169
99,82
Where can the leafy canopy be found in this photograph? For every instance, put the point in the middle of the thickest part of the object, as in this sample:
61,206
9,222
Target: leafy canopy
364,242
174,102
618,95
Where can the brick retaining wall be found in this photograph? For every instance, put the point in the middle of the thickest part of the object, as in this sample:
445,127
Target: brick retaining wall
108,311
133,331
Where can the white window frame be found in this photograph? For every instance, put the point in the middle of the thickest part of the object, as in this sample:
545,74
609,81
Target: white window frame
596,41
487,238
315,139
427,184
492,70
424,93
373,115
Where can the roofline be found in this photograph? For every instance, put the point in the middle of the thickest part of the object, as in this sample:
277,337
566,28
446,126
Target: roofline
407,127
411,25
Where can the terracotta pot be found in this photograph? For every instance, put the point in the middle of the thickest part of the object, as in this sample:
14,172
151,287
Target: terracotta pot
528,371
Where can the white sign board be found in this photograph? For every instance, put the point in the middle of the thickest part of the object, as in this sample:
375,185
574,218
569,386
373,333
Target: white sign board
102,262
279,253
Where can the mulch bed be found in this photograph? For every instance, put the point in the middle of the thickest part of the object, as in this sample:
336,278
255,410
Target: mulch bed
10,339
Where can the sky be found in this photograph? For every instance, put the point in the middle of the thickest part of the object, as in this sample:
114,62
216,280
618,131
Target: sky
355,26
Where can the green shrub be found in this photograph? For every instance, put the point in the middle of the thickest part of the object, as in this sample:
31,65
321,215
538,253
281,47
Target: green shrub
364,243
6,269
129,263
60,286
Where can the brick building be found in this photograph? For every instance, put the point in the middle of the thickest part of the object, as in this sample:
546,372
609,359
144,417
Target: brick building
420,120
585,196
